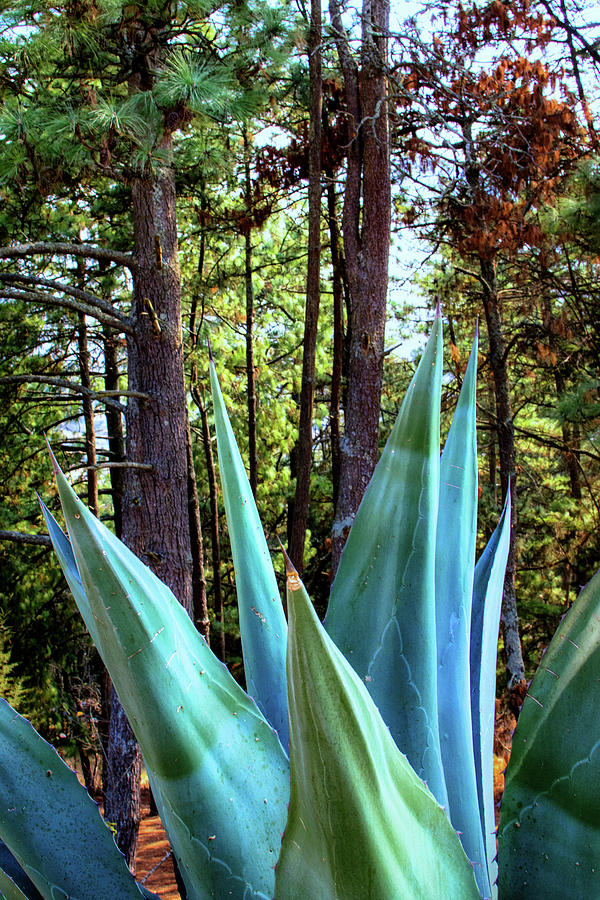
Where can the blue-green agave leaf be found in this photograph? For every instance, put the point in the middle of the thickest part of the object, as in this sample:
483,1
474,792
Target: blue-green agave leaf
8,889
361,824
262,620
50,823
382,606
549,836
455,561
219,773
488,586
64,552
13,871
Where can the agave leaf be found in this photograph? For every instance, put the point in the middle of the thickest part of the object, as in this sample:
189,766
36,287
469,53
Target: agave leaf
64,552
262,620
8,889
13,871
219,773
361,824
488,584
550,822
455,560
50,823
382,607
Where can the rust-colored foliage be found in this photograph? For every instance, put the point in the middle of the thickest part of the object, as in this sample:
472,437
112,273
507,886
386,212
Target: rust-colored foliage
511,126
285,167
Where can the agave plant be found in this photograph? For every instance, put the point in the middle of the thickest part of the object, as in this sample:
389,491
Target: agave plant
359,762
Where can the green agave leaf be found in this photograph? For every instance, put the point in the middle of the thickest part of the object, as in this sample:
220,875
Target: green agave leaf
488,585
220,775
63,550
455,561
13,872
50,823
262,619
9,890
382,607
550,822
361,824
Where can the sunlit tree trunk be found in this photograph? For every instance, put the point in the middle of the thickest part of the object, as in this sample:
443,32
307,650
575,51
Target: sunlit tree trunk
304,445
366,234
508,474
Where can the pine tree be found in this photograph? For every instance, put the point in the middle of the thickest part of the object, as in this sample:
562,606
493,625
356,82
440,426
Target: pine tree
104,100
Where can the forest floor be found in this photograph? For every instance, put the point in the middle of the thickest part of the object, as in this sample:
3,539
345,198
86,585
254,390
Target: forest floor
153,862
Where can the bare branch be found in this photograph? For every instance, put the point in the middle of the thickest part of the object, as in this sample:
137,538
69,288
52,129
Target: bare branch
87,297
146,467
58,248
66,385
34,296
20,538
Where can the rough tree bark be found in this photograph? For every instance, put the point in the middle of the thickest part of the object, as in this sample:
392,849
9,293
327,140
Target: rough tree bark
155,515
122,783
508,475
366,235
304,444
156,522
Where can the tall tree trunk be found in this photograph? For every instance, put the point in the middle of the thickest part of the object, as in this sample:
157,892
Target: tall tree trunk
198,398
114,426
571,440
508,474
250,373
213,491
124,767
88,414
304,445
155,513
337,366
366,233
116,452
493,444
199,605
155,508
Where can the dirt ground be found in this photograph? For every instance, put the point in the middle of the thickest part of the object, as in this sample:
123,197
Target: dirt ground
153,865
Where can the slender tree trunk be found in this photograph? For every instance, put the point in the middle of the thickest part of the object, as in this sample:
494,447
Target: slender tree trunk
571,440
114,426
337,366
304,446
493,443
88,414
116,452
122,801
574,55
250,372
508,475
213,491
199,604
198,398
366,232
